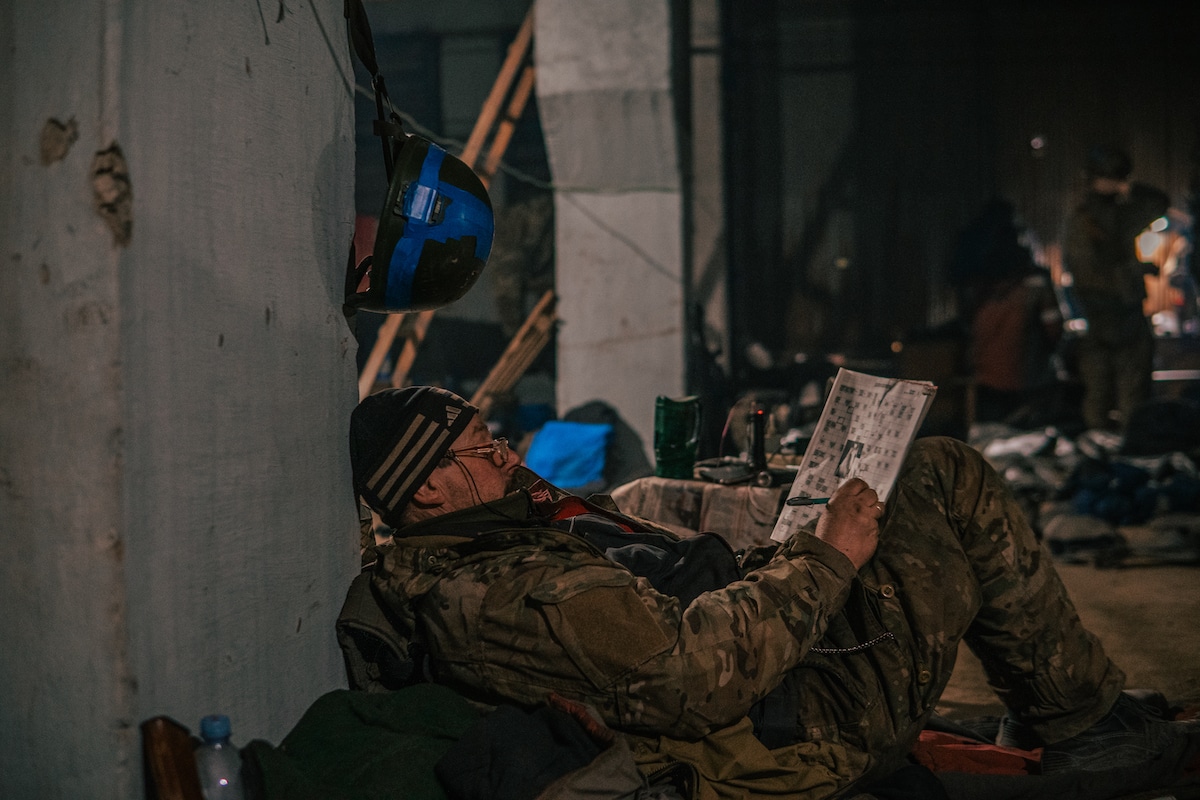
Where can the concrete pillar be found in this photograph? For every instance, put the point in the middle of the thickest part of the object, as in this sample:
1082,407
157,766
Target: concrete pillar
605,97
176,520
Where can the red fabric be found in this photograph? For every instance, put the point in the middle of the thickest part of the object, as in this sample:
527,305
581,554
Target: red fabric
365,228
946,752
600,733
572,506
999,332
564,509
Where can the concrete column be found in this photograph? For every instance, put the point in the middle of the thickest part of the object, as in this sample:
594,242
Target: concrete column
176,522
605,98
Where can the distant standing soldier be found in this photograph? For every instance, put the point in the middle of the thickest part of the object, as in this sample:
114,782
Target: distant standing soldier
1116,355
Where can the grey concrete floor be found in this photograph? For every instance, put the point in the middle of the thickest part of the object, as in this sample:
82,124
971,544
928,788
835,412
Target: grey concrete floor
1147,617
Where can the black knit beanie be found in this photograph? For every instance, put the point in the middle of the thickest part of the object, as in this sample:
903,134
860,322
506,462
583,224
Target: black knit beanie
397,438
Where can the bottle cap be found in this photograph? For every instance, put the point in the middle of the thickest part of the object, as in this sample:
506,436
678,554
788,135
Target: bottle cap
214,727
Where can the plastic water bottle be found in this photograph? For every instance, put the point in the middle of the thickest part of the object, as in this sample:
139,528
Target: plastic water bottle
218,761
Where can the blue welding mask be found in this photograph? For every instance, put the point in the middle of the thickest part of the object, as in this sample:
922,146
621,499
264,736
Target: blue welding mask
436,226
434,237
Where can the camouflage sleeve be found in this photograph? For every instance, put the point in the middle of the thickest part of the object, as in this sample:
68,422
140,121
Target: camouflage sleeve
526,618
733,646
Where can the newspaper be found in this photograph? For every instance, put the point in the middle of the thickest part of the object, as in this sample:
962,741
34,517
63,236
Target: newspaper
865,430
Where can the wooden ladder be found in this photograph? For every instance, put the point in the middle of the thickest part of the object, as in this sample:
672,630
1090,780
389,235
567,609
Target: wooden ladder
520,353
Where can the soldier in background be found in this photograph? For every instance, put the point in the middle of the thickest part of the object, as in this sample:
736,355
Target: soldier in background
1007,304
1116,355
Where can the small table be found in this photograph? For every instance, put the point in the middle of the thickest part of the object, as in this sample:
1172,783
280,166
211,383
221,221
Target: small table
744,515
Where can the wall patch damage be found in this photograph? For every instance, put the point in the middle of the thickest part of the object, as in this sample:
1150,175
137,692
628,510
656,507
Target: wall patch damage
56,139
112,192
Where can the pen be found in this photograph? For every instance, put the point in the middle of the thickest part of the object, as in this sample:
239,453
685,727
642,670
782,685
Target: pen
807,501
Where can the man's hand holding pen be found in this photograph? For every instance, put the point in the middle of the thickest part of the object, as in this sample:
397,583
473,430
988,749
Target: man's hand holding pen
851,520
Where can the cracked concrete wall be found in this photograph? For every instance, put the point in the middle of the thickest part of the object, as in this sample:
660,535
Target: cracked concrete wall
176,524
605,98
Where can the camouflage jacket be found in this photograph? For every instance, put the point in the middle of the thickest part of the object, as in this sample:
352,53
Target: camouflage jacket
504,606
1099,247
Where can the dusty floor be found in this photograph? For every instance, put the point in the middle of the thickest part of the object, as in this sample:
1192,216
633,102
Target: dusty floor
1148,618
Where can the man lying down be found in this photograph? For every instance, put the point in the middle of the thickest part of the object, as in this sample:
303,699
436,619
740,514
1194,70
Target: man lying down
805,669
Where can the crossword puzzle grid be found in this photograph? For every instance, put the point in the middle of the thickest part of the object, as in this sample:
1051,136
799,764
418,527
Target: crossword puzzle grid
864,431
863,434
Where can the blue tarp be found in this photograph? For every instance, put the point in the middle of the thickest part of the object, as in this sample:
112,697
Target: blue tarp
569,454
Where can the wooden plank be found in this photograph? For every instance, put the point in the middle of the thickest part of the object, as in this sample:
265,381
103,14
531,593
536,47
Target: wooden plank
409,352
520,353
383,343
168,757
516,368
491,106
508,125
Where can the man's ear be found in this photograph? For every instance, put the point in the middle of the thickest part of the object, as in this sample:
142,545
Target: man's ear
431,493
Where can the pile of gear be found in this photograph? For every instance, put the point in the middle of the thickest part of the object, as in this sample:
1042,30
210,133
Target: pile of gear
1100,498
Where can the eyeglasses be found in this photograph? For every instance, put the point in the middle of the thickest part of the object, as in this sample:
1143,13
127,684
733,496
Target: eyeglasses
496,450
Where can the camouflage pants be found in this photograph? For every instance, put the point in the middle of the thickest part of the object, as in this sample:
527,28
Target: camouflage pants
1116,358
956,561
